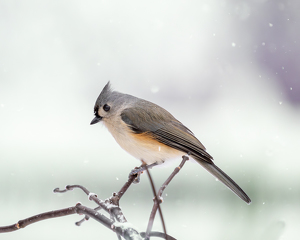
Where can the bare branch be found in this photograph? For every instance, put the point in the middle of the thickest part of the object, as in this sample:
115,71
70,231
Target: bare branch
117,222
128,232
158,199
43,216
126,185
110,205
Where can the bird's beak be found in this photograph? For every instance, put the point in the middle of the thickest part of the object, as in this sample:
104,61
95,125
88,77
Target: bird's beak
96,120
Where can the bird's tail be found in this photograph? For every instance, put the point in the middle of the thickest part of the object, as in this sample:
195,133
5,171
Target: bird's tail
224,178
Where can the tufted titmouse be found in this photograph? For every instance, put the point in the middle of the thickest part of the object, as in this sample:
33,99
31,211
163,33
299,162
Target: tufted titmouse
152,134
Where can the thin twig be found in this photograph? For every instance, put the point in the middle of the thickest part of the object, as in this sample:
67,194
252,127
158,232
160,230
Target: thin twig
152,216
126,185
86,217
159,194
39,217
91,196
110,205
121,229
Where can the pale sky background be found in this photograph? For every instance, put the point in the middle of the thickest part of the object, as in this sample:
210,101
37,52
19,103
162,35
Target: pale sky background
229,70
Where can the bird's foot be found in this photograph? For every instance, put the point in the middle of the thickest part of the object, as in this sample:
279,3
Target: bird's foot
139,170
136,171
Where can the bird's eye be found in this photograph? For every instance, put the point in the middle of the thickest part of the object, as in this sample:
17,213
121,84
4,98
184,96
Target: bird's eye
106,108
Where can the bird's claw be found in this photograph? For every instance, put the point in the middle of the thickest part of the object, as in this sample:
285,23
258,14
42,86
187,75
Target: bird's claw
136,171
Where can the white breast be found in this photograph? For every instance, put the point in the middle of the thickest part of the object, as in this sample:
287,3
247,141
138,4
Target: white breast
139,146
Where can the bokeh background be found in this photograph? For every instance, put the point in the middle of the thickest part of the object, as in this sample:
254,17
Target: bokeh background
227,69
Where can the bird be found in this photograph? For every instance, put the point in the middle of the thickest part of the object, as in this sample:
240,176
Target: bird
153,135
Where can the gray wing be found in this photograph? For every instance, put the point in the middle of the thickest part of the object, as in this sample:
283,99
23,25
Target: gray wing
173,133
163,127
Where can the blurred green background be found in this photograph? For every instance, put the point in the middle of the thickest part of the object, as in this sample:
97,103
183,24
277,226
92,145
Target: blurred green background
227,69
